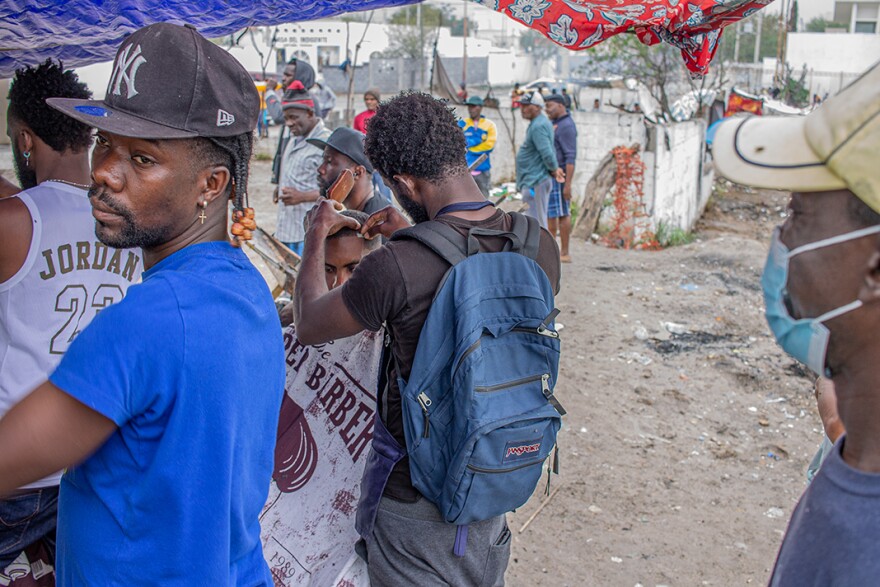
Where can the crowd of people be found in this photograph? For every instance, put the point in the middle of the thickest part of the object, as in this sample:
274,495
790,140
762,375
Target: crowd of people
161,425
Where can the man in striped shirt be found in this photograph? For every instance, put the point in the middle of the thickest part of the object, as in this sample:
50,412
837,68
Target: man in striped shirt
298,185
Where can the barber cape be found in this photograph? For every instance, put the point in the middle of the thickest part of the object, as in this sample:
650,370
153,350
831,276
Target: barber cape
324,435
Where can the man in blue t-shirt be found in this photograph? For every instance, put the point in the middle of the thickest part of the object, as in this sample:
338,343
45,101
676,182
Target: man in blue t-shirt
565,141
164,409
822,294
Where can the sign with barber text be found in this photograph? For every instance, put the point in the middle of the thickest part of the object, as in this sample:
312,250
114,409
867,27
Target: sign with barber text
324,435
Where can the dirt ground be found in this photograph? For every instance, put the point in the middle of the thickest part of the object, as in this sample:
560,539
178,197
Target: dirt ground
684,451
688,430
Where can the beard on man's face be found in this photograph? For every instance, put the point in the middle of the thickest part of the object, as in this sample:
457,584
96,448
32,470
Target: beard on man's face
415,211
26,174
324,185
131,235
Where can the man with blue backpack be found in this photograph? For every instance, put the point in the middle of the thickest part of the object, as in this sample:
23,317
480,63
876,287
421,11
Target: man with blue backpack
467,413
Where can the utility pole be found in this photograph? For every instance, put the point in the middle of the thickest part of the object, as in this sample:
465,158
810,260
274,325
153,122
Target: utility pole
736,43
780,42
464,54
421,45
760,19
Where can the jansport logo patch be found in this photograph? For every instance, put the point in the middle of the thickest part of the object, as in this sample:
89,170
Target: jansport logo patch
519,450
224,118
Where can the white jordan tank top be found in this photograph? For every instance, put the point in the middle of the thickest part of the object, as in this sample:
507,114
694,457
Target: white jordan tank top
67,278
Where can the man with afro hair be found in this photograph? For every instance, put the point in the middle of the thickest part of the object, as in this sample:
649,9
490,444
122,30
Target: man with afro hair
53,271
415,143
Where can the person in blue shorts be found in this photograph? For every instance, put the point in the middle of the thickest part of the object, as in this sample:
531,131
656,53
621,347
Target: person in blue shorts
565,141
164,410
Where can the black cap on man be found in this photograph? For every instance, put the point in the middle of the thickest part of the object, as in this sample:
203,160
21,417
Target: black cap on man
210,99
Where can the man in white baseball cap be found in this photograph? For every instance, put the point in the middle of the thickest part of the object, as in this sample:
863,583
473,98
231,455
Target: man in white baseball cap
822,295
536,165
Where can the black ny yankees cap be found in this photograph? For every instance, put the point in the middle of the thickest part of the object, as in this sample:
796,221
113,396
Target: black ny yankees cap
169,82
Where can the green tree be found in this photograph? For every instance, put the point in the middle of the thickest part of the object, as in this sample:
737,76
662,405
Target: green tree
432,16
538,46
408,40
819,24
769,37
658,67
794,89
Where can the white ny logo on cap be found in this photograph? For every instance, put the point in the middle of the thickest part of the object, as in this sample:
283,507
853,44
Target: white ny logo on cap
224,118
125,70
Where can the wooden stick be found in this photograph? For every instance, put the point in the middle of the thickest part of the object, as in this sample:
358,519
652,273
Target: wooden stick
540,507
478,161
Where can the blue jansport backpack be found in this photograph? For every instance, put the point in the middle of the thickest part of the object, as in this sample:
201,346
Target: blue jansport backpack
479,412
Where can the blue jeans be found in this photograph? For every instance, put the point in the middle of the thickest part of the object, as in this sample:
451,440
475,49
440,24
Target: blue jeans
26,519
296,247
537,197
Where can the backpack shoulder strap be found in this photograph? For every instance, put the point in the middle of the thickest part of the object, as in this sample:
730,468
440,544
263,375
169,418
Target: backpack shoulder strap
524,237
440,238
528,231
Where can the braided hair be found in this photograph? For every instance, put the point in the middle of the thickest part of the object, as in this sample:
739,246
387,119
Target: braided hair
234,153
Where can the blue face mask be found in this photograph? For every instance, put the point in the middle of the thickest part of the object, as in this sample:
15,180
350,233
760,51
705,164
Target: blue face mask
806,339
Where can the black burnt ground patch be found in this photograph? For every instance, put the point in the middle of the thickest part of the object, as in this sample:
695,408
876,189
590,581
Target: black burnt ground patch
691,341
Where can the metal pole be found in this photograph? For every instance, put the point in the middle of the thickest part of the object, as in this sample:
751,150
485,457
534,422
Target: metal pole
780,43
757,57
464,45
736,43
421,46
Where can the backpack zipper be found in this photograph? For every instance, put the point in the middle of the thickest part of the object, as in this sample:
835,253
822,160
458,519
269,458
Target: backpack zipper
521,466
476,345
548,393
465,354
545,378
539,330
425,402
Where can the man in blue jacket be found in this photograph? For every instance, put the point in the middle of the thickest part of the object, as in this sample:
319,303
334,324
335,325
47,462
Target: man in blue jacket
480,135
536,164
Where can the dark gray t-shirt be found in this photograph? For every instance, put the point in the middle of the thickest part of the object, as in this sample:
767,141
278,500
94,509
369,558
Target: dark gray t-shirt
374,204
834,533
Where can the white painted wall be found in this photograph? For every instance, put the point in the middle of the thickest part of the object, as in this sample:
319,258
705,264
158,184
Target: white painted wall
678,175
506,67
598,133
833,60
833,52
675,194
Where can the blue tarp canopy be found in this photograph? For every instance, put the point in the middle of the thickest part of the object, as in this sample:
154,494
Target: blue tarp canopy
80,32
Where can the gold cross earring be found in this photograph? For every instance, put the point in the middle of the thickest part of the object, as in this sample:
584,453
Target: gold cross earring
202,216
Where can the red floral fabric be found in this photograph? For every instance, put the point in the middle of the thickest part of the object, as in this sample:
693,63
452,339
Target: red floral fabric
694,26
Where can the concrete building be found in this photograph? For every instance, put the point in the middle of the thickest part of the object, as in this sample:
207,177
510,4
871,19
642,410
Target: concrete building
862,16
836,57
